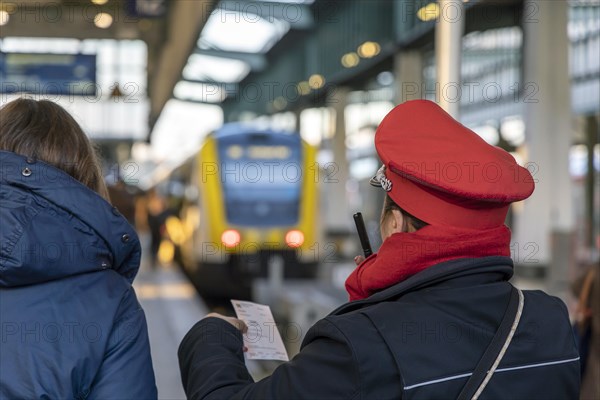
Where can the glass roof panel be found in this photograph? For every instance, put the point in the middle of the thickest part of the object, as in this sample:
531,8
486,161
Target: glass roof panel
241,31
201,67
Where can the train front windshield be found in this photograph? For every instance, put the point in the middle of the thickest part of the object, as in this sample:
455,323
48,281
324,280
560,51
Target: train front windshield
261,176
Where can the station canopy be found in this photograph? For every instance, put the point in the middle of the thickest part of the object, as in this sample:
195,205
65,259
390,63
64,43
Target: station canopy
233,43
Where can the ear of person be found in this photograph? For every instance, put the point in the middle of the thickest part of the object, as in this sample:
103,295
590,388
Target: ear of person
397,221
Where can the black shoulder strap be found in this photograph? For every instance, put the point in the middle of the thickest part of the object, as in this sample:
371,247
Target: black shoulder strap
495,350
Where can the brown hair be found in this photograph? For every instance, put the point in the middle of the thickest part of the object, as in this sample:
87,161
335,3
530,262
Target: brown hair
45,131
408,219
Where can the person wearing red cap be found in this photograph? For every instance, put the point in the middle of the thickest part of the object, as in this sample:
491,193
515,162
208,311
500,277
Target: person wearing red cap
432,314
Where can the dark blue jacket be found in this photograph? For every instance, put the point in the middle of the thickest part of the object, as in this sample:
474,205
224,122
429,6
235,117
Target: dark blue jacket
71,326
419,339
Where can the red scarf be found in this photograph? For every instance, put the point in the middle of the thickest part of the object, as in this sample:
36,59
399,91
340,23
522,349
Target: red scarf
404,254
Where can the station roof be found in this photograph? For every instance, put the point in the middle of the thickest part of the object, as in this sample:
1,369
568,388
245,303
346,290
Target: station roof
198,50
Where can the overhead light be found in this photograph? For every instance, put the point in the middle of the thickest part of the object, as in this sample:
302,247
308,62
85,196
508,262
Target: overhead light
303,88
4,17
369,49
99,2
279,103
350,60
316,81
103,20
428,13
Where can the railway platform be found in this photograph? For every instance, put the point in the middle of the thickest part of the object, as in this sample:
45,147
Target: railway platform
172,306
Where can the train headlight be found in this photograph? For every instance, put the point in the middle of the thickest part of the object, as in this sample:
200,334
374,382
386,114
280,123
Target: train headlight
230,238
294,238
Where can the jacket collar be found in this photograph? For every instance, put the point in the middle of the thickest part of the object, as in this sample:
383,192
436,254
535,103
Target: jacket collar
481,269
63,191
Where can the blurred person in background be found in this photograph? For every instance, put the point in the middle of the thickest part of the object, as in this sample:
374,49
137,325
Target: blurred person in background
124,197
432,314
156,216
71,323
587,327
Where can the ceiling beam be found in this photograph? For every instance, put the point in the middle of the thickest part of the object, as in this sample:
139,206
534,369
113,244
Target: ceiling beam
299,16
186,20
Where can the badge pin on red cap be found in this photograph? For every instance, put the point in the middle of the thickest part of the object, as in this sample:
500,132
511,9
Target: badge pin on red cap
380,180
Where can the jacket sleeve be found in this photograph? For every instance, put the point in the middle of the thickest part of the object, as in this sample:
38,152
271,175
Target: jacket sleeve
212,366
126,371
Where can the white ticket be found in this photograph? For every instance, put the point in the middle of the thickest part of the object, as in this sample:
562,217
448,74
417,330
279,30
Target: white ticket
262,339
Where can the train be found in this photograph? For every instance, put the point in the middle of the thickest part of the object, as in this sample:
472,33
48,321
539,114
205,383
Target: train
248,200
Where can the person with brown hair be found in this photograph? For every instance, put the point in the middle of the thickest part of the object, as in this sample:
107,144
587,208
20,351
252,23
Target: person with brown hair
432,314
71,325
587,326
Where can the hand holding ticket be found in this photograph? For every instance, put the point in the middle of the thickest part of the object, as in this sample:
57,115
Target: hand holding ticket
262,338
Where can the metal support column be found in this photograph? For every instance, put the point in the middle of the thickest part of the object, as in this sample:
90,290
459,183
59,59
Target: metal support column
448,44
544,230
592,128
408,67
338,218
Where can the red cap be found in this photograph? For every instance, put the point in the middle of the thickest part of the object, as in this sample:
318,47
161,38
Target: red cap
442,172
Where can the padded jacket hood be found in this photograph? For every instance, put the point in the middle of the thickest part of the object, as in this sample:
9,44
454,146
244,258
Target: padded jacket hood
47,231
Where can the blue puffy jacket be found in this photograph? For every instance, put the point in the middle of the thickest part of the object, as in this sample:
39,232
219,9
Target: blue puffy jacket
71,326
